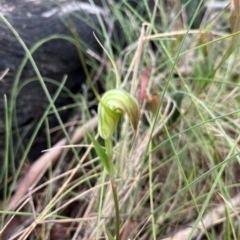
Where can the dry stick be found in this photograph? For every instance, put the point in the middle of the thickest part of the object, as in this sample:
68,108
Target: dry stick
134,66
209,219
41,165
137,59
4,73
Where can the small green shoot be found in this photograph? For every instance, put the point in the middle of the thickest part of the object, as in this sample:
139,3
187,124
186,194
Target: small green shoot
100,152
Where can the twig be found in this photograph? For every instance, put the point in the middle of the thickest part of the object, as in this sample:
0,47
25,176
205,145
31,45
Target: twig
4,73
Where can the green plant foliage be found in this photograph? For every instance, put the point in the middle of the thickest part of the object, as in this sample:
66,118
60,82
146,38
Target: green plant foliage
100,152
110,236
112,106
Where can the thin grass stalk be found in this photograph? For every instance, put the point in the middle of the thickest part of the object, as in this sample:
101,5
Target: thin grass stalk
108,145
6,155
100,204
151,189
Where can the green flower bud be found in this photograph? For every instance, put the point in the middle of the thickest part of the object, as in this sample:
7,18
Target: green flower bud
112,106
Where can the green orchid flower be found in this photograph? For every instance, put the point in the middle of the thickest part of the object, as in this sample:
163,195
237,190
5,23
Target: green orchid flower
112,106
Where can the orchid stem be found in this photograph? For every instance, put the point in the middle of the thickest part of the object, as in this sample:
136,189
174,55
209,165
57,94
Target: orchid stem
108,145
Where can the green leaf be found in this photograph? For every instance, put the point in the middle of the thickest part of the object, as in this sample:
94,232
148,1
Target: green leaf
110,236
100,152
